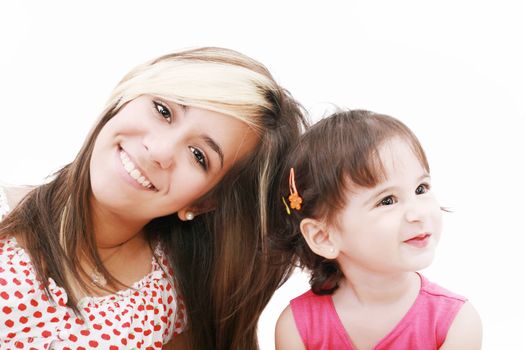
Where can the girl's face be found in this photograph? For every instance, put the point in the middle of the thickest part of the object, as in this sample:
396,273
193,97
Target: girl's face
155,157
394,226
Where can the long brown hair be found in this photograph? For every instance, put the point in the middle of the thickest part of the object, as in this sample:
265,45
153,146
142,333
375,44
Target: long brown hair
219,259
339,150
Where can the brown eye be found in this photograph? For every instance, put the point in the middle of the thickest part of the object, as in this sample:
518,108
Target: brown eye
423,188
163,111
199,157
387,201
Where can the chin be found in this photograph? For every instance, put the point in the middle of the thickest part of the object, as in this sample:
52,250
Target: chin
421,261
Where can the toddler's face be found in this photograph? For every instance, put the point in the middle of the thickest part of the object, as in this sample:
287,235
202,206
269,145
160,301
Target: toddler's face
394,226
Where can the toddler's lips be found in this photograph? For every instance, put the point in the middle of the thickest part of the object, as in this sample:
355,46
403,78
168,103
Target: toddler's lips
419,240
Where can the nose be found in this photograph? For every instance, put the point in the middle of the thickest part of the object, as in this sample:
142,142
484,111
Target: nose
161,150
415,211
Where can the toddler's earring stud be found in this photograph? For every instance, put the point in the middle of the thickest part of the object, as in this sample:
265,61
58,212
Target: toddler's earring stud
189,215
332,250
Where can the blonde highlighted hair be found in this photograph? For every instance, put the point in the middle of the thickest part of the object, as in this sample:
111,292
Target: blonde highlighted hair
220,262
209,81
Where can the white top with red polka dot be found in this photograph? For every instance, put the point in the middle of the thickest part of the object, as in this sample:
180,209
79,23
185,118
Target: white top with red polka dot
145,316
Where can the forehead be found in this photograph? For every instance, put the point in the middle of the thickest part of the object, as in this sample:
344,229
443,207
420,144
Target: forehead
396,154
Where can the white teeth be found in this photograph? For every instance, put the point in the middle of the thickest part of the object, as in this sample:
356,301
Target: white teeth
133,172
128,166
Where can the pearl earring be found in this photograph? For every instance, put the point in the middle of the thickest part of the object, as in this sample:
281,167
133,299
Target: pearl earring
332,250
189,215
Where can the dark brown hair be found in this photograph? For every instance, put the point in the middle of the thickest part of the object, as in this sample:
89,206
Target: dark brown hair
338,151
219,259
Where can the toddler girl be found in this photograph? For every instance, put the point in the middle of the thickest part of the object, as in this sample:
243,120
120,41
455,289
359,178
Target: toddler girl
361,216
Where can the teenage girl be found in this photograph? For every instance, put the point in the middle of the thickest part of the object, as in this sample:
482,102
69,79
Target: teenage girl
153,234
360,214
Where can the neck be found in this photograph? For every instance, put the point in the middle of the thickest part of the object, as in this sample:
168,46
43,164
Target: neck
376,288
112,230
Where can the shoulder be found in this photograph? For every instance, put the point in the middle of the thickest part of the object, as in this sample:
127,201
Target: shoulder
296,320
10,196
16,193
4,206
465,331
437,292
442,303
286,333
307,300
454,318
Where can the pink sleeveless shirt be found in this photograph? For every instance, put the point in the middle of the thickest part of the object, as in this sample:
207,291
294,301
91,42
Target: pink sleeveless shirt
423,327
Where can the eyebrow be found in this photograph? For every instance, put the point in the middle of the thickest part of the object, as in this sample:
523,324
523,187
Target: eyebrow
215,147
180,109
390,188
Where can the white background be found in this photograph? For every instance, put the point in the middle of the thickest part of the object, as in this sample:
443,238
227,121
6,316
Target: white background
452,71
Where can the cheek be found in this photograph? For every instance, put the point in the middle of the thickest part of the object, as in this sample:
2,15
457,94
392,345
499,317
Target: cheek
367,235
438,220
188,184
434,213
97,164
434,219
385,225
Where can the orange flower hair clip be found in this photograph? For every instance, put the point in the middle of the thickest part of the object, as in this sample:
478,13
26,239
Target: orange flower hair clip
294,198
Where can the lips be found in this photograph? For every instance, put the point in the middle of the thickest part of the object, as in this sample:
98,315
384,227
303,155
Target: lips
421,240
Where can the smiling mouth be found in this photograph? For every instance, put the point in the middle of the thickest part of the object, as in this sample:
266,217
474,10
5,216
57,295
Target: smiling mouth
135,174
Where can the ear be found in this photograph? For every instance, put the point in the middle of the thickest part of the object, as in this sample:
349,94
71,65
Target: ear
202,207
319,238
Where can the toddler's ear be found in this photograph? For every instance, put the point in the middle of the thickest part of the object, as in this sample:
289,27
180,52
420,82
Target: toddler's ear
318,238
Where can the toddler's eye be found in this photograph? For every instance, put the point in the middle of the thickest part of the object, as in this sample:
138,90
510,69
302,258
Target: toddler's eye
163,111
387,201
423,188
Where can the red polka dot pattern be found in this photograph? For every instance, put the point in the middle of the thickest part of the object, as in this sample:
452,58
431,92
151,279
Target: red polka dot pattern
143,317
